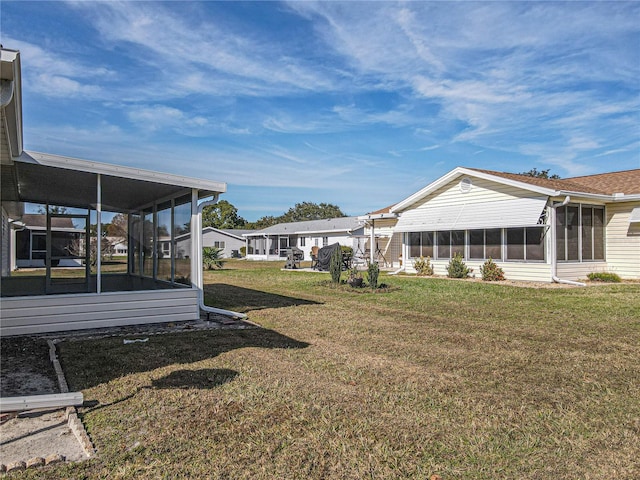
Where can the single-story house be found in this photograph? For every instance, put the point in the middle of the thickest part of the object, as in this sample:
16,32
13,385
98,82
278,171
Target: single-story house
272,242
31,241
534,228
229,240
153,289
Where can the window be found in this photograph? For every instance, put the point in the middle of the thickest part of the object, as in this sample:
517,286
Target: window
485,244
444,245
515,244
219,244
450,243
457,243
303,242
525,244
580,233
476,244
493,244
421,244
23,244
592,233
325,241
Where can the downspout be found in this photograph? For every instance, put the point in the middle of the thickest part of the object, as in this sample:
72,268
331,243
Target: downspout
200,275
554,247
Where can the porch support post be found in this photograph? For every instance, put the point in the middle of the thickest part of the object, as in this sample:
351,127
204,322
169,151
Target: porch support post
372,242
99,235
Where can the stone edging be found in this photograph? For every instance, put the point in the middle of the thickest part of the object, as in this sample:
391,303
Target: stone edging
73,420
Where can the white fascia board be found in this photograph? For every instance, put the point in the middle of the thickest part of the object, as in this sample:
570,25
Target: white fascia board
378,216
461,171
599,197
89,166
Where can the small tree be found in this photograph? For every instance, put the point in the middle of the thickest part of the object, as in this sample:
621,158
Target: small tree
491,272
423,266
457,268
212,257
335,265
373,271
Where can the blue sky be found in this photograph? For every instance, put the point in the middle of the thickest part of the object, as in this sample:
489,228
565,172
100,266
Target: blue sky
359,104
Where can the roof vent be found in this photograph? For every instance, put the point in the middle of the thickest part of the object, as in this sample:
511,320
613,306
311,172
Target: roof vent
465,185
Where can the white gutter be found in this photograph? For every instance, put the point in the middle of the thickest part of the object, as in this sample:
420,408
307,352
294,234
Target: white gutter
200,276
554,247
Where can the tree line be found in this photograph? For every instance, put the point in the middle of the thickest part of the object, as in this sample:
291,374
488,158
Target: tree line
224,215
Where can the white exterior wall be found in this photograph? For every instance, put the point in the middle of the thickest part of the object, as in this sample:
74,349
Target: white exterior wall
521,271
53,313
310,241
482,191
622,241
209,238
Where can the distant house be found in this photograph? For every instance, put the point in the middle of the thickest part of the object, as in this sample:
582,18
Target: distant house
31,241
271,243
534,228
229,240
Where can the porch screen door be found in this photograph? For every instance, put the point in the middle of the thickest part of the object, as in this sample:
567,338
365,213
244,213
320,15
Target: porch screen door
68,259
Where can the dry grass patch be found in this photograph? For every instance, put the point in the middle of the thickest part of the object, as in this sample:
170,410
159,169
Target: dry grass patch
462,379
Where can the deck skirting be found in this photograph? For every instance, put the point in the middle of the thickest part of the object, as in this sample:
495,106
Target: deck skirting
54,313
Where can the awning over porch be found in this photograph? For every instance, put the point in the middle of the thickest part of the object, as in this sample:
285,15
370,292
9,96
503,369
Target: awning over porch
517,212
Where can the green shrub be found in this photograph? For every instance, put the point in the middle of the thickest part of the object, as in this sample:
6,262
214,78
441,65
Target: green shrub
491,272
457,268
423,266
373,271
212,257
604,277
335,265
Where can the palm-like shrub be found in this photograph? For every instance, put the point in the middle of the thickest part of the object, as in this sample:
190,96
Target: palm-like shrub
212,258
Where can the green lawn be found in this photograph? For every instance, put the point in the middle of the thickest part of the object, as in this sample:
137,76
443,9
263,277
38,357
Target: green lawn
457,378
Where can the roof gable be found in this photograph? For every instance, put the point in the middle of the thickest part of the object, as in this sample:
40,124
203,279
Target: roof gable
605,184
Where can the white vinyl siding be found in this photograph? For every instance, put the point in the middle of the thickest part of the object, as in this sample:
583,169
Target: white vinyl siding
53,313
622,240
530,272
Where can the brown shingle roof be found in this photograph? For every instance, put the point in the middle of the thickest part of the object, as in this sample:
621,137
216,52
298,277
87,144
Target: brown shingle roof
627,182
382,210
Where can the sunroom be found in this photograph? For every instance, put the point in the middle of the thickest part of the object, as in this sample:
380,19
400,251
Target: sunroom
153,282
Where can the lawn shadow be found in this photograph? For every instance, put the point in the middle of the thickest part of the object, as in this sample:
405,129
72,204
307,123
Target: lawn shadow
204,378
91,362
240,299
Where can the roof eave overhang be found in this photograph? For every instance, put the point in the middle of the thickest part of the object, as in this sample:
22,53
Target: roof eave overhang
89,166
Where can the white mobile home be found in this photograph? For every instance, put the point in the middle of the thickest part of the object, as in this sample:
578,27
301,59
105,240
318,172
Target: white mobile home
271,243
534,228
